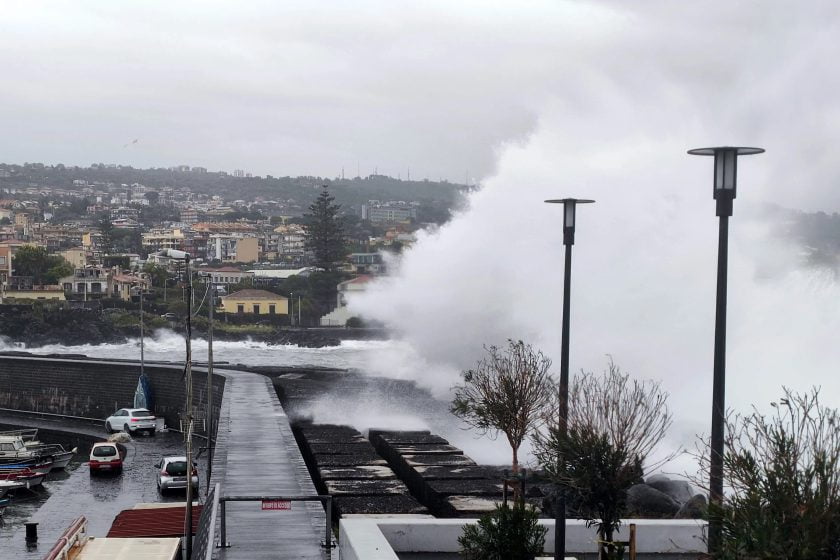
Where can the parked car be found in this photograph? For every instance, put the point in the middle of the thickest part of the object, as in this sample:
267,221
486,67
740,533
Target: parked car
172,474
131,420
169,316
106,456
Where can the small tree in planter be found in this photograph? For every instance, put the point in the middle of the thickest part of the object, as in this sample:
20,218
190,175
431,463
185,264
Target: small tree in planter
507,392
509,533
783,477
614,424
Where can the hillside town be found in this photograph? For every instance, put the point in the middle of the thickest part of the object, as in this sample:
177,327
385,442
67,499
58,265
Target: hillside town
84,241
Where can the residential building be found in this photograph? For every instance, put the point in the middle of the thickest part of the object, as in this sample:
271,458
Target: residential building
388,213
159,239
339,316
127,285
77,256
88,282
5,264
21,287
256,302
233,247
227,275
189,216
365,263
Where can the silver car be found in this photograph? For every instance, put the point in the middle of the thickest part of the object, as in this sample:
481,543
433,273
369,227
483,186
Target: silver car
172,474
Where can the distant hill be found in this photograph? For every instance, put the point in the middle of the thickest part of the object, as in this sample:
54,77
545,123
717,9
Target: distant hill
348,192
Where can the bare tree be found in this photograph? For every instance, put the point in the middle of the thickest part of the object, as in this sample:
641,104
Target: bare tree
614,424
782,473
507,392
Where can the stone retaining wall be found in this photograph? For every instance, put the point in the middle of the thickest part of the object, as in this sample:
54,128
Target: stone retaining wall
96,389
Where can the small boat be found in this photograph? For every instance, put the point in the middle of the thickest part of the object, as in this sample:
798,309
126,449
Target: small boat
23,474
7,486
60,456
14,454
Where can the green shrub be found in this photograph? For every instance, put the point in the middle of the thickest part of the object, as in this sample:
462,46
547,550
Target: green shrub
783,474
509,533
355,323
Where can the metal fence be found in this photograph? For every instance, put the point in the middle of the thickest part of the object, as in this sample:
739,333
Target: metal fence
205,535
326,500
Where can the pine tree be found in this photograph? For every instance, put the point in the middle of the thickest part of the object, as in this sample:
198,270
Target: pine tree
324,232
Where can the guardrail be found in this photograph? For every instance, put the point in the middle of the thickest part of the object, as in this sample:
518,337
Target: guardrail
75,534
50,415
205,535
326,500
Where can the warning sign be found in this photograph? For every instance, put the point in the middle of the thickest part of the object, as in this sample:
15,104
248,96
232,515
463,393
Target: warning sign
276,504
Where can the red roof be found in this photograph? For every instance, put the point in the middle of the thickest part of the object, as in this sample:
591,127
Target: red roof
152,522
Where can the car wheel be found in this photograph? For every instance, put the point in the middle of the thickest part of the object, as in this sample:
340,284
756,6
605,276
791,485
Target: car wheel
126,429
152,433
108,428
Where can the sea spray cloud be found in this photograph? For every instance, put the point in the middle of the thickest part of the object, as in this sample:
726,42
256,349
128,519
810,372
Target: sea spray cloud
643,272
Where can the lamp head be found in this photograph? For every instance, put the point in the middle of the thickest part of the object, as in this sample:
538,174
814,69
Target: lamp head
724,184
569,211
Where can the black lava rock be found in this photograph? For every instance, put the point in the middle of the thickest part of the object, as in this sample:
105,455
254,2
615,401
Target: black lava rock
646,501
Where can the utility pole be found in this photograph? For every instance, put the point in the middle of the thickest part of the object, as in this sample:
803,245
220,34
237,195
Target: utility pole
210,386
142,340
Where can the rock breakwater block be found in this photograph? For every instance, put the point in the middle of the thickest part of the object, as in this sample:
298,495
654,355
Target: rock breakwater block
470,506
360,472
334,448
407,438
347,467
449,472
375,487
439,460
373,505
348,461
427,449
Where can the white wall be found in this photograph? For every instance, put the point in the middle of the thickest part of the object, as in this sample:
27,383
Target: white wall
379,539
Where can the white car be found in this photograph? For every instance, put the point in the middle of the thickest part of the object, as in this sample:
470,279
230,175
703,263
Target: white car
131,420
106,457
172,474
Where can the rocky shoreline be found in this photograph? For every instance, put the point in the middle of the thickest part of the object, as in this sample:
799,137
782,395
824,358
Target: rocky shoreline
79,327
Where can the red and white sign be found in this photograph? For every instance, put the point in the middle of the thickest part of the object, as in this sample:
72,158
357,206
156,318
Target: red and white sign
276,504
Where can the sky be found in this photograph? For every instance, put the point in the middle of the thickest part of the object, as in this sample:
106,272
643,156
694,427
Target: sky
438,88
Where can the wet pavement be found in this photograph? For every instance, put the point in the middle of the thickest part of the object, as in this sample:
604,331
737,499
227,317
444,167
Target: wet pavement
66,495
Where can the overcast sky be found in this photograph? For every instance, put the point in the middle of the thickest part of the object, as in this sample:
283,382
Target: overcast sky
291,88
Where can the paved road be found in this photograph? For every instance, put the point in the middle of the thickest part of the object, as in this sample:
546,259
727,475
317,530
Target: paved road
65,496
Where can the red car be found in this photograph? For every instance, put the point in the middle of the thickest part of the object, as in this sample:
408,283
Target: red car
106,456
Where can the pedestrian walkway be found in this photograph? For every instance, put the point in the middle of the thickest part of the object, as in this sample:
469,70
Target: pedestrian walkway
257,455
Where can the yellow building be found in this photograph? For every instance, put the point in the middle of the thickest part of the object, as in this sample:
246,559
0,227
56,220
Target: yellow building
255,302
75,256
35,292
247,250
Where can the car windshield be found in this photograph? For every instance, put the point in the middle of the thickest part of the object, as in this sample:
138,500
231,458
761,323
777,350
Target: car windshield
141,413
176,468
104,451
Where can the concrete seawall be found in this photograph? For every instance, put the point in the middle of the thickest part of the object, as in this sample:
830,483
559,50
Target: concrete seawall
95,389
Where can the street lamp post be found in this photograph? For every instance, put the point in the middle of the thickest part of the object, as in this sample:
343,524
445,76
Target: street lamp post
569,210
724,190
179,256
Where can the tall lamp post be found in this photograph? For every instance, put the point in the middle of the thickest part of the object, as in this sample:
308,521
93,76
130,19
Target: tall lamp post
569,209
724,187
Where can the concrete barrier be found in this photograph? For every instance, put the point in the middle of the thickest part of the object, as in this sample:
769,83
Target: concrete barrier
382,539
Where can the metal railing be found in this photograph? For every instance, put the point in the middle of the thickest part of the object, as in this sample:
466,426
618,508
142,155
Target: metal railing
326,500
74,535
205,535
